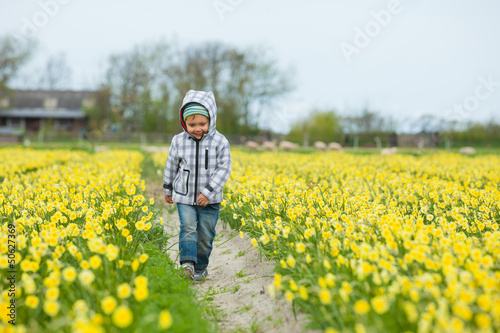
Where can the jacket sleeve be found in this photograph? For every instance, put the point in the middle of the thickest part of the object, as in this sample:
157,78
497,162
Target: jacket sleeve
221,173
170,169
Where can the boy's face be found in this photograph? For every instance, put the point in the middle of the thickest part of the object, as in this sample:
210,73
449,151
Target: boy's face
197,125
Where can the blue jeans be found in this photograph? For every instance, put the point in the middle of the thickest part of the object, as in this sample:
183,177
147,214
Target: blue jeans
197,232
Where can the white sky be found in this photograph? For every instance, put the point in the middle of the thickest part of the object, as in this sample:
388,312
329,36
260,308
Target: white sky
428,56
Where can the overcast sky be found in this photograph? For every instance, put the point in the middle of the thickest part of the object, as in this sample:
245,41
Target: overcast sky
400,58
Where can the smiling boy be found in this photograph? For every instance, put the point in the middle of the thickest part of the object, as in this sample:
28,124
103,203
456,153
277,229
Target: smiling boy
197,168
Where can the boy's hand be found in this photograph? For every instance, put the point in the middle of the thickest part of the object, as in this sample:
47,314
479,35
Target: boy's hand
202,200
168,199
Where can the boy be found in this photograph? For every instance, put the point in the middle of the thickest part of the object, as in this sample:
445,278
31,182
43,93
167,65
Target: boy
198,166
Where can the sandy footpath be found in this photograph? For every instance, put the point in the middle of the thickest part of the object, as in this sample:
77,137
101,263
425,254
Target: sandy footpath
237,284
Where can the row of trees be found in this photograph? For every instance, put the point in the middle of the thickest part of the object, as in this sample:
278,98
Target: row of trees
142,89
328,125
148,84
485,133
370,128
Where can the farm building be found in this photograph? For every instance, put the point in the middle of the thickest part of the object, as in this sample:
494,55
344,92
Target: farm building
35,111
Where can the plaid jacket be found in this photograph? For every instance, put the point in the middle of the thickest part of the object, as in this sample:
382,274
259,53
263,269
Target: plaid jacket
197,166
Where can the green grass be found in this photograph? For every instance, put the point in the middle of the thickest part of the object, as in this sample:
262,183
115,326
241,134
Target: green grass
75,144
88,145
241,274
168,290
244,308
239,254
480,150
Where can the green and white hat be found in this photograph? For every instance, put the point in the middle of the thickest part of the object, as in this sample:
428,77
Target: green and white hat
194,108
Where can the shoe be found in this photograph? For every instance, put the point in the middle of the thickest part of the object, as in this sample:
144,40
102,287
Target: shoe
187,270
200,275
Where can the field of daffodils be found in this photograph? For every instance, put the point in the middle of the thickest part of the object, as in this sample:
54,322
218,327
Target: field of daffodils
371,243
72,224
362,243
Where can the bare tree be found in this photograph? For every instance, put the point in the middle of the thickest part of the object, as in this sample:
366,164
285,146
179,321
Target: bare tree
245,82
426,123
12,56
138,87
368,122
56,75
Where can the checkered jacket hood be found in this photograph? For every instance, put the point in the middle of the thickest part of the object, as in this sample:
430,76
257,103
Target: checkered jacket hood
197,166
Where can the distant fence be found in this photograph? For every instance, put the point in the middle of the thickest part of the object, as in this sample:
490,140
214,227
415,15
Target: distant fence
137,137
158,138
382,140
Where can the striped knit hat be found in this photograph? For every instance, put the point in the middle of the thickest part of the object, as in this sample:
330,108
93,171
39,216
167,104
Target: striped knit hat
194,108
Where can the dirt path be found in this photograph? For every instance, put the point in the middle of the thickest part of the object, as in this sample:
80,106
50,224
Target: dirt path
237,285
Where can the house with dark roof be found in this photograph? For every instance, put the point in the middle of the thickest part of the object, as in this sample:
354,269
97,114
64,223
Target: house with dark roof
59,111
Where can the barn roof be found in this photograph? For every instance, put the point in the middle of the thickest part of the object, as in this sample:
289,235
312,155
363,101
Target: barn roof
43,113
66,99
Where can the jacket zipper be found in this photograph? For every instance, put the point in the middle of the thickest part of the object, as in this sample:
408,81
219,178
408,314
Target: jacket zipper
206,158
196,171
